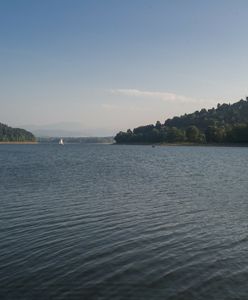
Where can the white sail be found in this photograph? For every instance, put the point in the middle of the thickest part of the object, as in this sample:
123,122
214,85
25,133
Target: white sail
61,142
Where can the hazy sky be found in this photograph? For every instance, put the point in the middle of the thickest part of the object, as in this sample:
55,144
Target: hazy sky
117,64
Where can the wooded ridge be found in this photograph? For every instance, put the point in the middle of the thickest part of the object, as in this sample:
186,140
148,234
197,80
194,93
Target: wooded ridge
9,134
227,123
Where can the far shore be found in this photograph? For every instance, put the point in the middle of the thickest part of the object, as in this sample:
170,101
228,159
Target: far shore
18,143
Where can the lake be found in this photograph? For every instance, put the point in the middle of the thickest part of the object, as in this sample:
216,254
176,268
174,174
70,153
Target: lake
123,222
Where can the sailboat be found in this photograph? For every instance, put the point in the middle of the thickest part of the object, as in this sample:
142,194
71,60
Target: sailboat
61,142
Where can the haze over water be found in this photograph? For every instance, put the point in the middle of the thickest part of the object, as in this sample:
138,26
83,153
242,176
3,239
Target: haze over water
123,222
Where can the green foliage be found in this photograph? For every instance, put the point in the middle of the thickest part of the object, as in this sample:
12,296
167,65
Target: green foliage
238,134
193,134
175,135
215,134
225,124
9,134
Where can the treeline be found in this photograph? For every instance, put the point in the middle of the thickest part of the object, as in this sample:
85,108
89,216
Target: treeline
9,134
228,123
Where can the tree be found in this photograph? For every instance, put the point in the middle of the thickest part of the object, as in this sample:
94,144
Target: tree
193,134
175,135
215,134
158,125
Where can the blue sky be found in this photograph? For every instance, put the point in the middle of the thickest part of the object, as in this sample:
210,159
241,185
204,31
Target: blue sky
111,65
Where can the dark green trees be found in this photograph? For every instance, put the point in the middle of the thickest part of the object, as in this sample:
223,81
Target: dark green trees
192,134
238,134
9,134
174,135
225,124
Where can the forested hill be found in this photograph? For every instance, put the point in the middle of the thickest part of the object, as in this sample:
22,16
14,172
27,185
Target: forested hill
9,134
228,123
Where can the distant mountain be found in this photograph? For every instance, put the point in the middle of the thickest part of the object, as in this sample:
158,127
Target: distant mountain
9,134
67,129
228,123
56,133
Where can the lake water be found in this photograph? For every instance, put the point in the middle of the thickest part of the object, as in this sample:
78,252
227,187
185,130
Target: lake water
123,222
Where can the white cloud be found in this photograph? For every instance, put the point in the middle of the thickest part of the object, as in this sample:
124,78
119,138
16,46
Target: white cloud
135,108
164,96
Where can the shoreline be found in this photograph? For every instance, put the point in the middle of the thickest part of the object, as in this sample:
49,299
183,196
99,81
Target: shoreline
18,143
186,144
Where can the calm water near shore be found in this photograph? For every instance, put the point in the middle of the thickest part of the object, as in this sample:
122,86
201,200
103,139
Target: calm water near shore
123,222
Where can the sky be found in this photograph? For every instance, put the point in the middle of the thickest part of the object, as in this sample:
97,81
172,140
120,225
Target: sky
102,66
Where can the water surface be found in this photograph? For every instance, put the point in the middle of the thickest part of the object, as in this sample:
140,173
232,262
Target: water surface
123,222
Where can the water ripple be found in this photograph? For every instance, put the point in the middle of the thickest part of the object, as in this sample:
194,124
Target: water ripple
123,222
